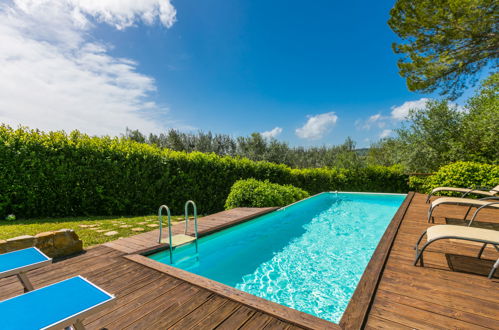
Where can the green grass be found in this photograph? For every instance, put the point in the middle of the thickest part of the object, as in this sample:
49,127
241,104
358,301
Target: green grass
89,235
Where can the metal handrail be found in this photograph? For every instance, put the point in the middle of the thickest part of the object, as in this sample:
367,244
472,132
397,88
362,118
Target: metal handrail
160,217
195,213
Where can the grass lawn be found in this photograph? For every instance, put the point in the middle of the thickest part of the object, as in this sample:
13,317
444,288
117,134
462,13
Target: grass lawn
91,230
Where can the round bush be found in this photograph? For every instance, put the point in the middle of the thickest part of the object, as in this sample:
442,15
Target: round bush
254,193
460,174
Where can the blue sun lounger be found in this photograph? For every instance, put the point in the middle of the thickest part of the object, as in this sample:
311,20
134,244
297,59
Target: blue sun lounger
56,306
21,261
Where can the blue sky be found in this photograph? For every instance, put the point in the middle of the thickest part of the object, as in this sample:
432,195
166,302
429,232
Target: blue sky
243,66
313,72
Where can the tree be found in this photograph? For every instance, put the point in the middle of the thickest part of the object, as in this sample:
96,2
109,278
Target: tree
134,135
479,137
428,140
386,152
444,43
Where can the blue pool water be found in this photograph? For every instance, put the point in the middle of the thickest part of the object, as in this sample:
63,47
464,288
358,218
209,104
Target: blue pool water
308,256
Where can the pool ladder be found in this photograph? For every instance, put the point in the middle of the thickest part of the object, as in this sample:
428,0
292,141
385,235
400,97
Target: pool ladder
179,239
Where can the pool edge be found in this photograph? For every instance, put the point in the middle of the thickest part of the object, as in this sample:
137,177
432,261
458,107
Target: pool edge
355,315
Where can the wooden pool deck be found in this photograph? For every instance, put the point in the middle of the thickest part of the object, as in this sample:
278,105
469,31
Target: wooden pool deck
451,291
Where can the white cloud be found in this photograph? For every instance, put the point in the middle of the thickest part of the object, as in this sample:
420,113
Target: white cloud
272,133
124,13
385,133
317,126
54,76
376,120
402,111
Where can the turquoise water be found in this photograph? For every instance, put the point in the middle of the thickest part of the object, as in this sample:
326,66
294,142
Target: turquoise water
309,256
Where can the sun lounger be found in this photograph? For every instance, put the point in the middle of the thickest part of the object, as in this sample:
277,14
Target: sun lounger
480,235
466,191
56,306
478,203
19,262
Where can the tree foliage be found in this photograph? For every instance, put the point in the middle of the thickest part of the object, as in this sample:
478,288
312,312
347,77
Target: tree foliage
443,133
479,132
255,147
444,43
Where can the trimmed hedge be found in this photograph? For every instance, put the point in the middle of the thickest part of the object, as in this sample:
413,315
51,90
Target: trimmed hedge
458,174
254,193
59,174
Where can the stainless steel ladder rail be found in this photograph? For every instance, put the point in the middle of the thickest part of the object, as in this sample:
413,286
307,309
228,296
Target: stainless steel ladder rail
178,239
195,213
160,217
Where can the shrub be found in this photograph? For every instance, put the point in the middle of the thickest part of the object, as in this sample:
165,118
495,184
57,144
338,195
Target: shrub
417,183
459,174
254,193
59,174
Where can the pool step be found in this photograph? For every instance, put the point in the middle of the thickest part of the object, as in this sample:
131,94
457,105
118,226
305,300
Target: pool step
192,259
179,239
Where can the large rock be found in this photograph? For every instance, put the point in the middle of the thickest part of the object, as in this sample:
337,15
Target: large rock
53,243
45,240
19,242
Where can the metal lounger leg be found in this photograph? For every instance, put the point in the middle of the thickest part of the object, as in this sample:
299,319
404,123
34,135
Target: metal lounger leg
419,254
467,212
25,282
494,268
430,212
481,250
428,198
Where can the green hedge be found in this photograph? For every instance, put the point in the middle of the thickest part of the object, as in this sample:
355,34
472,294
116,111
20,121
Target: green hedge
254,193
458,174
58,174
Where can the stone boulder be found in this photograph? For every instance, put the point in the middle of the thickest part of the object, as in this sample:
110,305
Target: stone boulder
53,243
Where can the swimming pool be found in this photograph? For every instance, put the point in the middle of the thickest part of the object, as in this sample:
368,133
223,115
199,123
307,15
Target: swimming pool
308,256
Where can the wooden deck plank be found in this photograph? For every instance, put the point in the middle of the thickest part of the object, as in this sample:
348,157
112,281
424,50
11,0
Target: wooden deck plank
140,308
129,302
257,321
378,323
173,315
163,310
276,324
450,310
212,304
418,318
214,319
237,319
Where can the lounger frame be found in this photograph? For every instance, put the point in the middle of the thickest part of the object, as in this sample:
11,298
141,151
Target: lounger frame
471,190
419,253
20,272
470,206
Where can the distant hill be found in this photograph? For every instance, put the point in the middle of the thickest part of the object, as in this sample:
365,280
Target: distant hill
362,151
